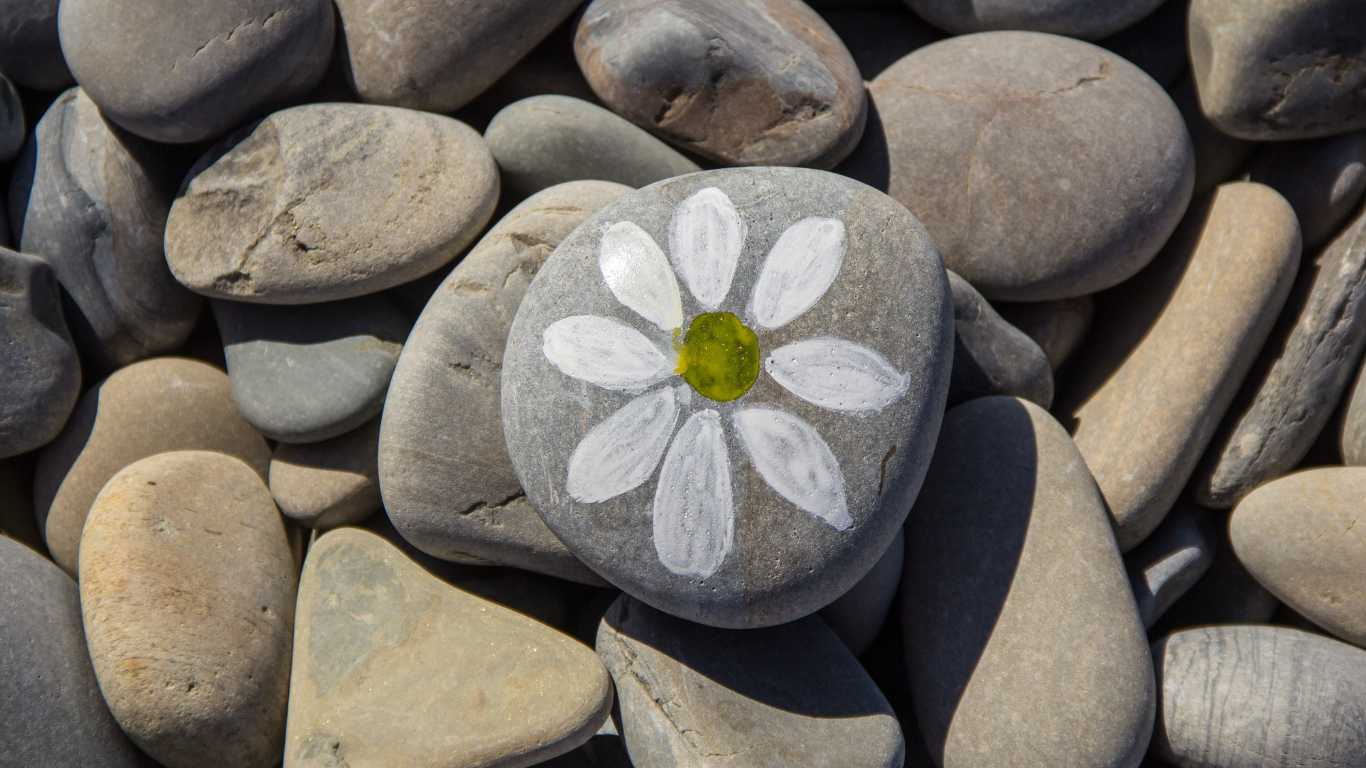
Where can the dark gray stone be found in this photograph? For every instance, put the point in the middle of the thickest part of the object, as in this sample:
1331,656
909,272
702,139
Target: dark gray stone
30,51
990,356
49,700
692,696
1021,635
770,504
1259,697
214,63
1075,18
42,374
11,119
1218,156
1169,562
547,140
858,615
1322,179
1058,327
741,82
92,200
305,374
879,38
1157,44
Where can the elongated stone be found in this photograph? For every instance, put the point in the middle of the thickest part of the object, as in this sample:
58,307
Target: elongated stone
1169,562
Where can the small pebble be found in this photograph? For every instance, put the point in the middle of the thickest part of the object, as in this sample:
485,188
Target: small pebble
329,483
1166,565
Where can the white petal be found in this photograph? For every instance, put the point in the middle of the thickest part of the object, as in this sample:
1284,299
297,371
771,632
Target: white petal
639,276
622,452
837,374
705,238
798,271
793,459
694,512
605,352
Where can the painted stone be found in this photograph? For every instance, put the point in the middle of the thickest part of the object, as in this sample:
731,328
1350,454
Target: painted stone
1169,562
858,615
1058,327
990,356
1074,18
42,374
11,120
330,201
329,483
447,481
1322,179
30,51
741,82
788,444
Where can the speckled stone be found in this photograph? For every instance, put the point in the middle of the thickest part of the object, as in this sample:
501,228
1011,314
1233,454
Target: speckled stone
448,484
11,119
692,696
1021,635
30,51
1169,562
746,555
215,63
1058,327
741,82
1179,339
1322,179
331,483
464,681
877,38
858,615
42,374
990,356
1074,18
330,201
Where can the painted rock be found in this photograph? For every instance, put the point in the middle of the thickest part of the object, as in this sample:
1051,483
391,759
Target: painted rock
858,615
92,201
1043,167
694,696
215,63
1322,179
742,82
1021,634
1282,69
11,120
330,483
759,357
42,372
466,683
330,201
149,407
1166,565
990,356
30,50
1058,327
187,590
447,481
1074,18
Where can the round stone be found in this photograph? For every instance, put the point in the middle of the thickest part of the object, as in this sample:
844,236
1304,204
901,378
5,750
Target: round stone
731,506
1075,18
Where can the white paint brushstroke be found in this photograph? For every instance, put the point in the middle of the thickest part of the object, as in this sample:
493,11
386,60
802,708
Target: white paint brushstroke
705,238
800,268
795,461
605,352
694,509
623,450
637,273
837,374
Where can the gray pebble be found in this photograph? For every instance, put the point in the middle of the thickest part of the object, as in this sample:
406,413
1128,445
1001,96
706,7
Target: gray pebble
857,616
1169,562
1322,179
1075,18
1058,327
42,374
30,51
990,356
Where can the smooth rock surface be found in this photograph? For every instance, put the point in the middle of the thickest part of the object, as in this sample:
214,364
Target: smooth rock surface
330,201
50,704
149,407
693,696
215,63
877,38
30,51
1322,179
990,356
187,591
547,140
309,373
465,681
42,374
1074,18
1021,635
1169,562
448,484
11,119
92,201
1179,339
1058,327
330,483
741,82
1272,70
773,503
858,615
1259,697
964,131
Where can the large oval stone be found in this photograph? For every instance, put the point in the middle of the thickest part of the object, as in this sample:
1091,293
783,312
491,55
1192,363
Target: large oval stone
187,590
1074,18
772,500
42,374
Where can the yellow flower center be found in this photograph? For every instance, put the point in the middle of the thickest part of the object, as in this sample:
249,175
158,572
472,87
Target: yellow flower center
719,356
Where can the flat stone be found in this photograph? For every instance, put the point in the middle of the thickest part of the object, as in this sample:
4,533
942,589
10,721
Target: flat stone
464,681
30,51
1218,156
1020,631
1058,326
330,483
49,700
1075,18
1179,339
1307,364
693,696
1156,44
187,590
11,118
437,55
752,83
328,202
877,38
946,133
1322,179
309,373
149,407
791,475
1297,536
1259,697
990,356
1226,594
447,481
1166,565
92,201
215,63
1282,70
42,374
857,616
547,140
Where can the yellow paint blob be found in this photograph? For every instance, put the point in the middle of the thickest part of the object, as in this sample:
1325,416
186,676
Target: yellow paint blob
719,356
